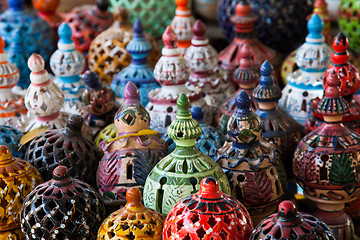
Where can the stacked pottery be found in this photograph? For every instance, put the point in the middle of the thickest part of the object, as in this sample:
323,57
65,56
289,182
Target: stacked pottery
139,71
327,162
172,73
43,99
305,84
68,147
251,163
350,84
349,22
87,22
10,137
247,77
11,104
208,214
182,24
17,179
47,11
244,21
133,221
278,126
67,63
107,53
62,208
288,224
179,174
129,158
99,101
203,61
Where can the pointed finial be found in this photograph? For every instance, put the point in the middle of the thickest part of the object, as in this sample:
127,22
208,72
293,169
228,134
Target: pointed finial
209,189
2,45
340,45
266,71
65,34
287,210
199,30
267,90
243,103
16,5
74,125
320,4
5,153
182,5
92,80
315,26
243,9
197,113
133,197
36,63
183,105
169,38
61,173
138,28
247,72
332,89
103,5
131,92
244,19
47,7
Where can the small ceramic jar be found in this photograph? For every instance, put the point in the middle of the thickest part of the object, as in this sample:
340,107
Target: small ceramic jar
305,84
179,174
18,179
67,63
10,137
47,11
251,163
244,21
288,224
172,73
203,61
247,78
132,221
208,214
327,162
278,127
87,22
139,71
349,22
43,99
62,208
11,105
350,84
129,158
68,147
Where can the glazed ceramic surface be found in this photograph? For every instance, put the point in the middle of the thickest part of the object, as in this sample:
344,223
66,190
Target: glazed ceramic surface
108,133
172,73
203,61
281,23
47,11
208,214
129,158
133,221
62,208
18,179
288,224
305,84
10,137
43,99
327,162
87,22
252,164
349,22
179,174
139,71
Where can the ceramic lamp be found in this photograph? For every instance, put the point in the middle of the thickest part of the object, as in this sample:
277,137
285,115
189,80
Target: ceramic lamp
47,11
10,137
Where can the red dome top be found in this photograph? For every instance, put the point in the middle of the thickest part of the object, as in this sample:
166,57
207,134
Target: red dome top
169,38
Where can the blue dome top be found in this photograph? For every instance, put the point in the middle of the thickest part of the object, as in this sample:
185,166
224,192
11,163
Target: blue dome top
243,103
315,26
65,34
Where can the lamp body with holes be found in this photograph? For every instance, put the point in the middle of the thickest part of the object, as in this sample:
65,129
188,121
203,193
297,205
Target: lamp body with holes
348,19
133,221
252,164
17,179
108,55
87,22
62,208
327,162
11,137
108,133
129,158
47,11
305,84
208,214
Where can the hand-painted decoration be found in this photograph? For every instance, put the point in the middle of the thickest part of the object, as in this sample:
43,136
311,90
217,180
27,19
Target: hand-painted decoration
327,162
67,64
349,22
17,179
43,99
11,105
350,84
203,61
133,221
252,164
10,137
68,147
87,22
128,159
108,133
179,174
278,126
139,71
172,73
288,224
47,11
281,23
208,214
62,208
305,84
246,77
107,53
182,24
244,21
